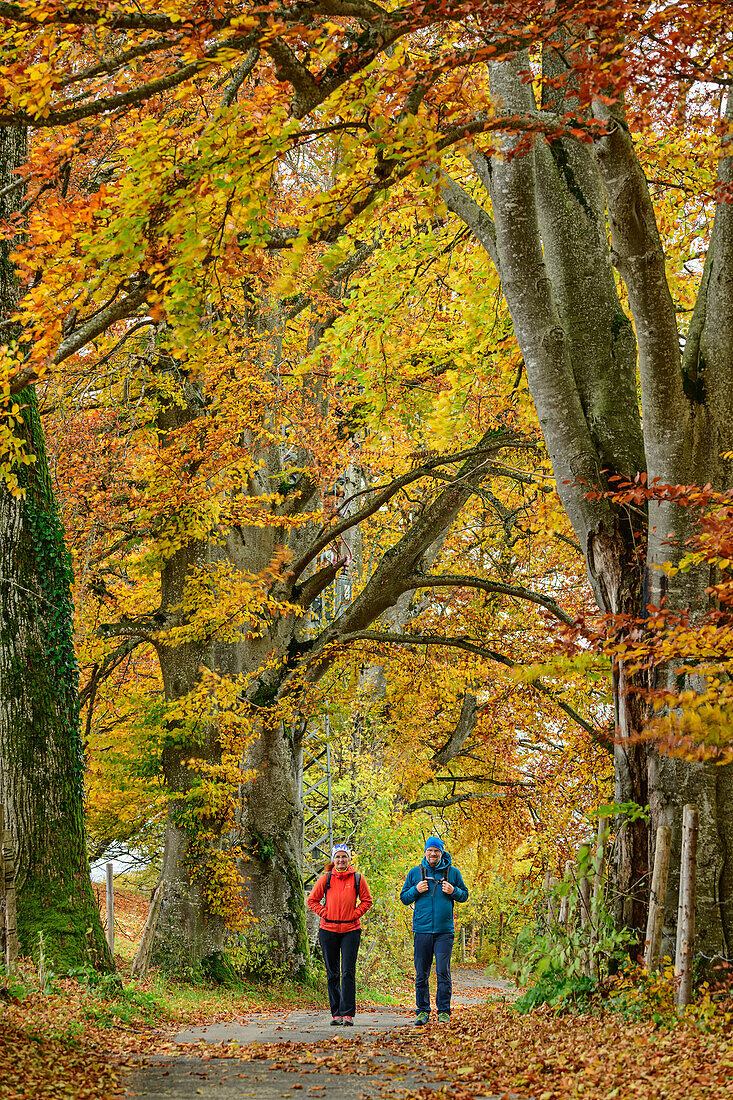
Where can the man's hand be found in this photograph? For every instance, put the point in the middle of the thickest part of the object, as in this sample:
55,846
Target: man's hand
422,886
447,886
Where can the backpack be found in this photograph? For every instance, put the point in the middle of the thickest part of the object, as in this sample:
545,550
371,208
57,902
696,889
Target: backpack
424,876
357,881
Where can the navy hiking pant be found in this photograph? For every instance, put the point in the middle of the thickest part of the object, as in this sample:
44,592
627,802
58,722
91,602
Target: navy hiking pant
427,945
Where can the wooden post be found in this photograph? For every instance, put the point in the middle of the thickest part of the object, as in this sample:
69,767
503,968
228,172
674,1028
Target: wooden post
655,920
7,865
585,922
142,958
473,939
481,940
546,891
500,936
109,868
552,907
463,943
597,894
598,864
686,908
565,901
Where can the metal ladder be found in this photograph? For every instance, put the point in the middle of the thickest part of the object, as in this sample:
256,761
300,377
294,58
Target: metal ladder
315,794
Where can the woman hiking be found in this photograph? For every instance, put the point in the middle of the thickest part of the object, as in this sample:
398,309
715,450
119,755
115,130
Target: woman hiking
340,897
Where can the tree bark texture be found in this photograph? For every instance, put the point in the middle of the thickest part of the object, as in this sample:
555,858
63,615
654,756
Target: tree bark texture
546,234
41,756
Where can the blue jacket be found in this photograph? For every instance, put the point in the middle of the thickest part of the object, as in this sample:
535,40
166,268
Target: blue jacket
434,909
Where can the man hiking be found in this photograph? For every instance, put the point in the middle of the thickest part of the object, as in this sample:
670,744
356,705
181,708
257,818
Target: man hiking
433,887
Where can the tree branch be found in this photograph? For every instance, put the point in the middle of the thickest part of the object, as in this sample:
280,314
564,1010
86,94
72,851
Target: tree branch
443,803
479,650
464,728
494,587
385,493
133,96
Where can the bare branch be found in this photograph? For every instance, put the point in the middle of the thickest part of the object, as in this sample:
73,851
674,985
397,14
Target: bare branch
386,493
443,803
240,75
495,587
464,728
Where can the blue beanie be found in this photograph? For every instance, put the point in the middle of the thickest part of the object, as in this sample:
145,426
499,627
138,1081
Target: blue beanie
434,842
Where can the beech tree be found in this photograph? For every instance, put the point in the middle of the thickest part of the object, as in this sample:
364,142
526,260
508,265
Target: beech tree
408,93
41,757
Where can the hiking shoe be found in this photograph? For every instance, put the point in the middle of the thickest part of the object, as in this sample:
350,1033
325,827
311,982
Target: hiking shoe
347,1021
443,1017
337,1021
421,1019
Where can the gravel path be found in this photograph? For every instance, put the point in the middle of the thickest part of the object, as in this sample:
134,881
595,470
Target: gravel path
292,1055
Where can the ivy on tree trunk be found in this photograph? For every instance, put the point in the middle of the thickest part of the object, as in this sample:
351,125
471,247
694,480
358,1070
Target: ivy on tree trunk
41,755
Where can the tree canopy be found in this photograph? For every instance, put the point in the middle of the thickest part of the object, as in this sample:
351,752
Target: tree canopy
347,321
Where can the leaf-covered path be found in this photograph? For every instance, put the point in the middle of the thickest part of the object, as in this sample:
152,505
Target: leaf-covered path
299,1054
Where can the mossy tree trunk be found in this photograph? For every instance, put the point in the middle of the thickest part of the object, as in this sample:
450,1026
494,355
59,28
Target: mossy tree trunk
41,758
272,834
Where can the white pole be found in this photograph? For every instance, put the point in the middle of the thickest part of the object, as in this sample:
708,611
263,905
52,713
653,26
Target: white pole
109,867
686,909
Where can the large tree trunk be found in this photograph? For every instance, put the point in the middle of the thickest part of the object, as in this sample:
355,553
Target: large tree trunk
269,821
580,362
41,757
188,932
687,401
271,836
549,243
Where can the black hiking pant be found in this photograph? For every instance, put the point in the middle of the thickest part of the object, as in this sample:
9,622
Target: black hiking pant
339,954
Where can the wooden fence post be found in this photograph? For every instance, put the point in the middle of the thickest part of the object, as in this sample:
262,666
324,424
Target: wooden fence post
109,868
585,922
552,907
546,892
655,920
463,944
565,901
686,908
597,894
141,961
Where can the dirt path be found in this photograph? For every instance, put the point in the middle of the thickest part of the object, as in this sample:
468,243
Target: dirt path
298,1054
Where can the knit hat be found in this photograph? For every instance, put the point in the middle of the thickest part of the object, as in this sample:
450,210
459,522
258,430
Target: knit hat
434,842
340,848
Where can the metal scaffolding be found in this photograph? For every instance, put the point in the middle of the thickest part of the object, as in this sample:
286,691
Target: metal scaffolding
315,793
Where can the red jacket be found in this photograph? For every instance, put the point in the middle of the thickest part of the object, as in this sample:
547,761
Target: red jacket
343,909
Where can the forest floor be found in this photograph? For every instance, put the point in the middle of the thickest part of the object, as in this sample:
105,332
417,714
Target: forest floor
90,1040
289,1053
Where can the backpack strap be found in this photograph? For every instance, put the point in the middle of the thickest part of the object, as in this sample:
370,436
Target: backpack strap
325,888
423,873
357,883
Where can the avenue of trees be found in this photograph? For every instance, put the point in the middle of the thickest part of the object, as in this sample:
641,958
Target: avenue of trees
347,327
